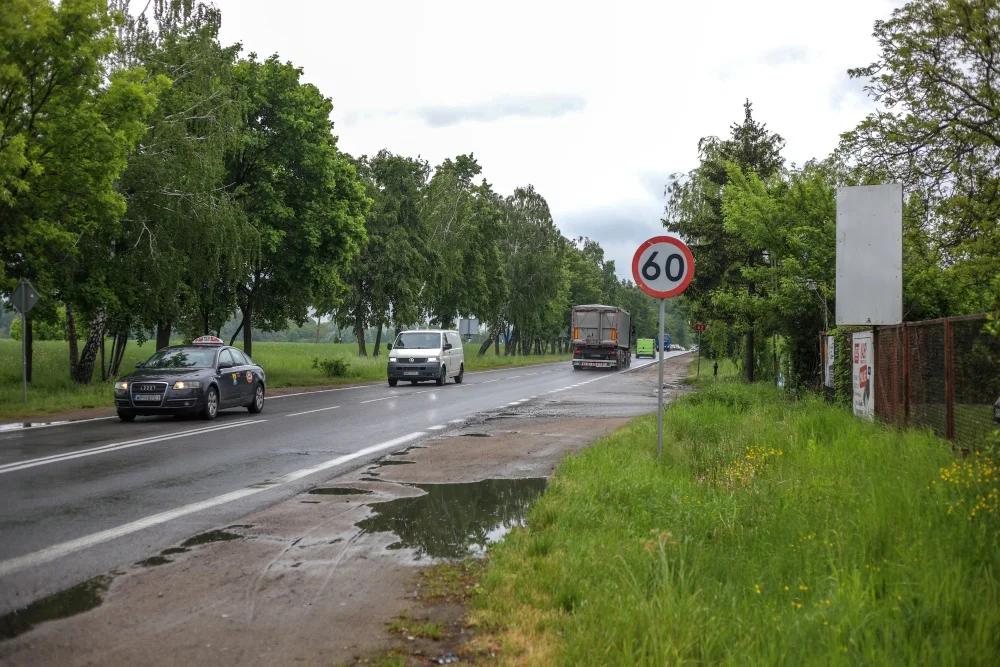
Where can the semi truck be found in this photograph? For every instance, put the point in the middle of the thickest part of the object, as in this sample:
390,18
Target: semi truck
602,337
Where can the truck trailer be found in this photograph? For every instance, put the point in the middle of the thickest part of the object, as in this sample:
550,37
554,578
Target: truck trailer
602,337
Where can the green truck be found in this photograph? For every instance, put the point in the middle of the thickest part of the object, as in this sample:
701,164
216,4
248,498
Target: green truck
644,348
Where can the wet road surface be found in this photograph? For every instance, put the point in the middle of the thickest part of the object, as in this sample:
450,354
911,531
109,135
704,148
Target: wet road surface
84,498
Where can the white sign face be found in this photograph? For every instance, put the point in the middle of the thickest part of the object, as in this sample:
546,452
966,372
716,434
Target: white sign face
663,267
863,375
870,255
828,366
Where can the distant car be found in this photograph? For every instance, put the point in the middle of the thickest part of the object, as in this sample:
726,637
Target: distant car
429,354
201,378
644,348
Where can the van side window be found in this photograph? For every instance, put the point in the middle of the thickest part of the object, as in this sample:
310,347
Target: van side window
455,341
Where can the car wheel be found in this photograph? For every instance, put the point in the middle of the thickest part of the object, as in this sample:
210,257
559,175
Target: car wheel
392,382
461,374
442,377
211,408
413,382
127,417
257,405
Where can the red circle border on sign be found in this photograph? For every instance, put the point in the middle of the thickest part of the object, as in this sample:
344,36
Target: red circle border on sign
687,255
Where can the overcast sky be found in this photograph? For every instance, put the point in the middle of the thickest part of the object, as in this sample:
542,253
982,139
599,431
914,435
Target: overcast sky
594,103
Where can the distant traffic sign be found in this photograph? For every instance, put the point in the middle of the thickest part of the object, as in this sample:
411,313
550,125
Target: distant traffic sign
24,297
663,267
699,327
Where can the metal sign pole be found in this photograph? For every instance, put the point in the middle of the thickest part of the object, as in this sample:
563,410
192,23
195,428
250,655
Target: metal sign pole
24,359
659,412
698,374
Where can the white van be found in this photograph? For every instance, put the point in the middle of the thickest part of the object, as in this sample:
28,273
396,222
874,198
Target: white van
427,354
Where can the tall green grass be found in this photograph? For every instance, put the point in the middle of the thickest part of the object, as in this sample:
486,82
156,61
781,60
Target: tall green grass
286,365
772,532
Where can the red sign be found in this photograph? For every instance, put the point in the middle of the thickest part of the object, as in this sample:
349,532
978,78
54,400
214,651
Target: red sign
699,327
663,267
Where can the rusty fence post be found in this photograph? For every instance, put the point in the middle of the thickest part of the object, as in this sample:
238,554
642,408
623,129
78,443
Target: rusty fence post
949,380
895,375
906,374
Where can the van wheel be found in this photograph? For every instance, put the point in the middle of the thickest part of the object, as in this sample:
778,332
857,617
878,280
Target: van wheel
442,377
461,374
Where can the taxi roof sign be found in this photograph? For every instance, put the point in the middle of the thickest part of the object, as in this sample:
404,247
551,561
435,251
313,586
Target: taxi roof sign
208,340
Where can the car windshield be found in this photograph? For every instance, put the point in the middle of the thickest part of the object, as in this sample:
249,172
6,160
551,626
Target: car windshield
418,341
181,357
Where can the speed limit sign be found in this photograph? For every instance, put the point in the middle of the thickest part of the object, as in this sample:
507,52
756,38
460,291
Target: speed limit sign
663,267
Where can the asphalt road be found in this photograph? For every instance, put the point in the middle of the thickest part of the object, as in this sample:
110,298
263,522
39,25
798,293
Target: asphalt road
85,498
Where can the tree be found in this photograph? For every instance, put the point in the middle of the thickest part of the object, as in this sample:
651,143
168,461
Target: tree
300,199
384,282
938,128
725,261
66,126
182,237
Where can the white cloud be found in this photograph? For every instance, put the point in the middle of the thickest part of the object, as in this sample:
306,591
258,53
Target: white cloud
591,102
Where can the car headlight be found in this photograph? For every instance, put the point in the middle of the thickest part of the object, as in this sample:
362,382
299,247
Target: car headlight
187,384
432,358
121,386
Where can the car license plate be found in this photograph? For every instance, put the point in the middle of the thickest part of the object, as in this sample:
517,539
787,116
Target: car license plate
411,373
147,398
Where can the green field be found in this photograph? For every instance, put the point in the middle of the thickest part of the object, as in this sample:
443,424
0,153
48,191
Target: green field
286,364
774,531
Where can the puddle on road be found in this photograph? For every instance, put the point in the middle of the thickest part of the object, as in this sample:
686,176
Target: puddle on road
455,520
393,462
174,550
476,435
339,491
209,537
76,600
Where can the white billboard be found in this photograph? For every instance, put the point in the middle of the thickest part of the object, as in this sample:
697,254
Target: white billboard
870,254
863,375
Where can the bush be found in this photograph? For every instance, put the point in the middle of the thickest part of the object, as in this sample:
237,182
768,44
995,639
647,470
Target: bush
331,368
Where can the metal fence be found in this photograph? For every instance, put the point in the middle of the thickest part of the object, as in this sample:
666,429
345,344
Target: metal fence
939,374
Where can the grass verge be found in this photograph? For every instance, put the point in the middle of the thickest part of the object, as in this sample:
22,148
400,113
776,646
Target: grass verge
286,364
772,532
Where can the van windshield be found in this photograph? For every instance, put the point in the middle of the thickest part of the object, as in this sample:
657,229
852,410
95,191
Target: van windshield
417,341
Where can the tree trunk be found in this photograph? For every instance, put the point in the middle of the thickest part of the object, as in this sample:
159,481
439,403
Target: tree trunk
248,328
162,334
83,372
104,372
118,343
238,330
29,344
486,344
496,344
378,340
750,355
359,333
74,354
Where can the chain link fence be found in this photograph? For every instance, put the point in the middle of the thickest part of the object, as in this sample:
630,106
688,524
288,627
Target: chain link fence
943,375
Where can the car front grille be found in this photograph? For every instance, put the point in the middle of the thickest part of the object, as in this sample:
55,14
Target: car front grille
148,387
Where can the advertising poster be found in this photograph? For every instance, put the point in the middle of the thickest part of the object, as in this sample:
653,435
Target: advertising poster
828,366
862,375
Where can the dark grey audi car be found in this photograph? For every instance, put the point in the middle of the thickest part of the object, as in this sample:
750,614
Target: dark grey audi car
201,378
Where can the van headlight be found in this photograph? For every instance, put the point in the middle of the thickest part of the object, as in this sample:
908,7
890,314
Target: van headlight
432,358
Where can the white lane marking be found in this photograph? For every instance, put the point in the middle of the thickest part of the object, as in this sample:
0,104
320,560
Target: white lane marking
436,428
20,426
384,398
489,381
513,402
64,549
56,458
323,391
457,421
296,414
